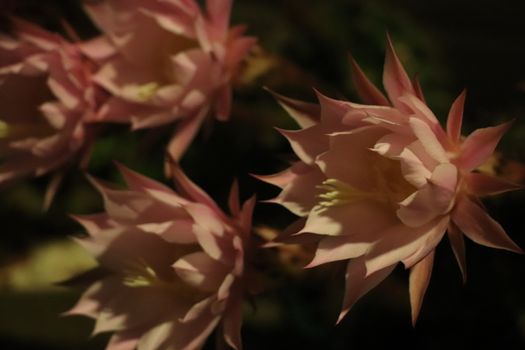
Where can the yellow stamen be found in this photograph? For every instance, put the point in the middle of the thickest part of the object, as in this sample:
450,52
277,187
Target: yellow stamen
146,91
340,193
140,274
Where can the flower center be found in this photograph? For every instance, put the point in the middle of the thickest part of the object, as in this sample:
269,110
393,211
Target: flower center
338,193
146,91
140,274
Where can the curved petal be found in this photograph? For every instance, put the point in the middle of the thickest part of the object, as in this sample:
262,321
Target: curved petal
457,243
305,114
480,145
486,185
368,92
477,225
358,283
395,78
199,270
419,279
455,118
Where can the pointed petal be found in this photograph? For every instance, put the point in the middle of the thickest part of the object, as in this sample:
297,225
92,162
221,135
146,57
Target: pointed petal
232,321
233,199
124,341
395,78
401,243
419,279
480,145
139,182
428,140
200,271
417,88
455,118
358,283
337,248
189,188
477,225
457,242
307,143
304,113
486,185
185,133
366,90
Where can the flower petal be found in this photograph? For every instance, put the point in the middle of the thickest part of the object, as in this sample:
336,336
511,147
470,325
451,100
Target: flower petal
395,78
457,243
366,90
455,118
480,145
358,283
419,279
305,114
486,185
477,225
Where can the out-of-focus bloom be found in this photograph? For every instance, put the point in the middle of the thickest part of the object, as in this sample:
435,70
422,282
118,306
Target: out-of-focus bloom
166,61
173,265
382,183
46,94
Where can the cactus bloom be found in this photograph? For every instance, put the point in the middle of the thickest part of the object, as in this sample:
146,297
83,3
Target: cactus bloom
46,95
166,62
381,183
172,265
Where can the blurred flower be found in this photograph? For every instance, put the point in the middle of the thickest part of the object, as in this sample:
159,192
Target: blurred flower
381,183
46,95
172,265
166,61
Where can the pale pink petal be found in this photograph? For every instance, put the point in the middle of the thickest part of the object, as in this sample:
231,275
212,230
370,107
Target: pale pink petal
305,114
219,12
200,271
338,248
332,111
123,341
360,218
175,335
395,79
417,88
138,182
480,145
486,185
419,279
358,283
233,199
355,170
428,140
401,242
413,169
421,110
366,90
232,321
455,118
189,188
477,225
185,133
300,193
307,143
432,200
457,243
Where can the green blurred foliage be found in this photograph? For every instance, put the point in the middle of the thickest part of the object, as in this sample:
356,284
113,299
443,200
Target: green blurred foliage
451,45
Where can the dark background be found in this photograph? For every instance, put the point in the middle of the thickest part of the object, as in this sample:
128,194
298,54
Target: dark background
477,45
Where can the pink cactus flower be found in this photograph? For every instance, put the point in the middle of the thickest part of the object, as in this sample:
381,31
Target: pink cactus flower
172,263
46,94
382,183
165,62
